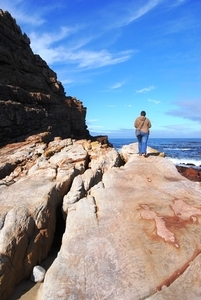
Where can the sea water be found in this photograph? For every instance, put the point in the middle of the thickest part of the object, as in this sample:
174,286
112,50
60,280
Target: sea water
179,150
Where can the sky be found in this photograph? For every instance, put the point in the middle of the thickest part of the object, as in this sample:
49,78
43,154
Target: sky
121,57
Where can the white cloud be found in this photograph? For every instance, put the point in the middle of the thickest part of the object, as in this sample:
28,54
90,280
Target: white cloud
154,101
41,42
143,10
176,3
116,86
132,12
18,10
92,127
93,120
67,81
43,45
146,89
93,59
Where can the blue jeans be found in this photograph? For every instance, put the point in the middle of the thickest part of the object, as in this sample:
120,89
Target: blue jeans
142,142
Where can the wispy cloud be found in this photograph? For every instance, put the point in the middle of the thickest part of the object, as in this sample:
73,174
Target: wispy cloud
175,3
45,40
19,11
180,25
97,59
143,10
93,120
188,110
146,89
44,46
154,101
67,81
132,12
128,105
116,86
95,129
92,127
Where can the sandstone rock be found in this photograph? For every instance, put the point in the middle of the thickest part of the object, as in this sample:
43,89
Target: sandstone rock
32,100
36,180
101,160
128,150
134,235
193,174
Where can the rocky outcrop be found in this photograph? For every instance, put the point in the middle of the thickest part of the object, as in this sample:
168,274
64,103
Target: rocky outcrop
132,231
134,235
32,100
35,177
192,173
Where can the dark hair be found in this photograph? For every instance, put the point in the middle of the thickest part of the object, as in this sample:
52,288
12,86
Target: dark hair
143,113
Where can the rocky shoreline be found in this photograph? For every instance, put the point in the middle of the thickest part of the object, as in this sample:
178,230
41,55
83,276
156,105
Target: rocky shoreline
35,176
104,224
87,181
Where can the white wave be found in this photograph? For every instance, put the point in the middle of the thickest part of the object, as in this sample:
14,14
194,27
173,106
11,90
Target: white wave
179,149
184,161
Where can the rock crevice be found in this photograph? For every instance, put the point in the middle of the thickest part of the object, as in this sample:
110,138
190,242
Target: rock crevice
46,177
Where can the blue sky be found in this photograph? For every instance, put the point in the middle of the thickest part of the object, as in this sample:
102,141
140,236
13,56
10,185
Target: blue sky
121,57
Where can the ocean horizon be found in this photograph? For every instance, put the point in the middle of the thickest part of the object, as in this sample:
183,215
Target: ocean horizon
181,151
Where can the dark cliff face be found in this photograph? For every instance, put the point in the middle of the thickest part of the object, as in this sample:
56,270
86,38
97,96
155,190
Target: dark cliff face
32,100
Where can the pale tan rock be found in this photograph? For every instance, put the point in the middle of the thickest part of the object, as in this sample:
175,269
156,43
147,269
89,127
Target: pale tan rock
104,159
132,231
136,235
186,283
32,186
101,160
128,151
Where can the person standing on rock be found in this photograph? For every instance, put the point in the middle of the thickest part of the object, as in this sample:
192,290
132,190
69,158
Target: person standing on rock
142,125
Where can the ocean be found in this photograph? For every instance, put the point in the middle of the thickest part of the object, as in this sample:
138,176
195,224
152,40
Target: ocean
181,151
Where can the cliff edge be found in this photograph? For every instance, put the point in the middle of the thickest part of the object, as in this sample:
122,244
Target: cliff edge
32,100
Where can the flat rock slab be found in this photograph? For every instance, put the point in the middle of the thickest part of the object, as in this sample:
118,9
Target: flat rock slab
136,235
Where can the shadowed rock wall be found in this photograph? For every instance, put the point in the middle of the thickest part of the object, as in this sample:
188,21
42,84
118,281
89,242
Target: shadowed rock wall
32,100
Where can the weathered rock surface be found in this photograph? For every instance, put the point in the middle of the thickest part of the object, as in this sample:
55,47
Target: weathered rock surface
35,177
133,235
32,100
193,174
132,231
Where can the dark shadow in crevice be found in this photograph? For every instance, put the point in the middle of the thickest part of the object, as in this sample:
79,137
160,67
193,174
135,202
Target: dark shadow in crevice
59,230
29,287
